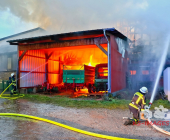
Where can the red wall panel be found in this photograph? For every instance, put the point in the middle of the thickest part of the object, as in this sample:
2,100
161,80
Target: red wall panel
32,69
118,67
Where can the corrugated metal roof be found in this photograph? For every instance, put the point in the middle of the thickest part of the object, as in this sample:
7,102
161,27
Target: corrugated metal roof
4,38
59,37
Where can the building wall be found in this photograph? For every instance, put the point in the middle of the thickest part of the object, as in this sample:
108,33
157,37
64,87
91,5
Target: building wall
6,75
35,68
8,64
8,61
32,68
118,67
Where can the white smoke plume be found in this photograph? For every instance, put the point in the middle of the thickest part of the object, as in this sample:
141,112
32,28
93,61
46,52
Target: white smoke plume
73,15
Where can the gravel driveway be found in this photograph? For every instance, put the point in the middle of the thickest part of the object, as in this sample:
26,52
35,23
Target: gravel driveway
103,121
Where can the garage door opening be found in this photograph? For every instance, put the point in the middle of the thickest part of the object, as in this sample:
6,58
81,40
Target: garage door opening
80,68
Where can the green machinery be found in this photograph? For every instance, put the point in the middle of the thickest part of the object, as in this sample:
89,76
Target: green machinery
77,77
101,78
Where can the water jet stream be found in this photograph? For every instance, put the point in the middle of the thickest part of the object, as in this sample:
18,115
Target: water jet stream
162,62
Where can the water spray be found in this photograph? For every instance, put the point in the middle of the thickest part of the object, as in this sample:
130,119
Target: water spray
40,66
162,62
33,70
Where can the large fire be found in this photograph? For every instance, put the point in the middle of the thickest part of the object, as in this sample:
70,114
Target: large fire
70,58
91,63
78,57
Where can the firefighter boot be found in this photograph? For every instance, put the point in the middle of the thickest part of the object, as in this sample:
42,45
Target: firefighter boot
128,122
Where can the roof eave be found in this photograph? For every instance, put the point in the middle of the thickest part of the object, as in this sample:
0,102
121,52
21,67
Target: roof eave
58,37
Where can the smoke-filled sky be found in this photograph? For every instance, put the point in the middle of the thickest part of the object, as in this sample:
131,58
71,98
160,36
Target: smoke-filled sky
73,15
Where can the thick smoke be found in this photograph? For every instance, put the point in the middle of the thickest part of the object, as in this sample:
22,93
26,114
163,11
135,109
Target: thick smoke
73,15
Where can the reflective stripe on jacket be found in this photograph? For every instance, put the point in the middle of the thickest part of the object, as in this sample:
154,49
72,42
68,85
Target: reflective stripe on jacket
138,100
13,82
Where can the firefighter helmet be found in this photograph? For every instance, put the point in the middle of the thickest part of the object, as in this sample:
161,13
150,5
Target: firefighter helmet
143,90
12,74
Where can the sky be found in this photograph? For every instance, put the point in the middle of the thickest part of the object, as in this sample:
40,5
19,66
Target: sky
75,15
11,24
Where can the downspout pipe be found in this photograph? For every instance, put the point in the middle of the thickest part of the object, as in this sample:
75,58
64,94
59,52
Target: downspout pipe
109,63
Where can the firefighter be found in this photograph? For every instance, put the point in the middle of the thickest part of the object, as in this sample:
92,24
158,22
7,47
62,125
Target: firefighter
13,81
137,104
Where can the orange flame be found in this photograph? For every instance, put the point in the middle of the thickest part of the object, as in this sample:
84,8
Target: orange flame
90,63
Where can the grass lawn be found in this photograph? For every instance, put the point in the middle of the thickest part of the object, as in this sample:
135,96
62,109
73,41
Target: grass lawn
83,103
159,102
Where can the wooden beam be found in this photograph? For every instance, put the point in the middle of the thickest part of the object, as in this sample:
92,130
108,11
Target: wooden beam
22,55
56,72
101,48
34,42
18,71
13,43
46,61
73,43
46,66
50,55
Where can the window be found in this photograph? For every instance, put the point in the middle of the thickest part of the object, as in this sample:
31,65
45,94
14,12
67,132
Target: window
133,72
9,64
103,71
145,72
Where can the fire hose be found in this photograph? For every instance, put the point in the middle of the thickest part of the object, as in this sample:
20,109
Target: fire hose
157,128
5,90
66,126
153,125
7,96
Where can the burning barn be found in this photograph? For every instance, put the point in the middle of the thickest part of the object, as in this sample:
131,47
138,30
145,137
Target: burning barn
84,58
